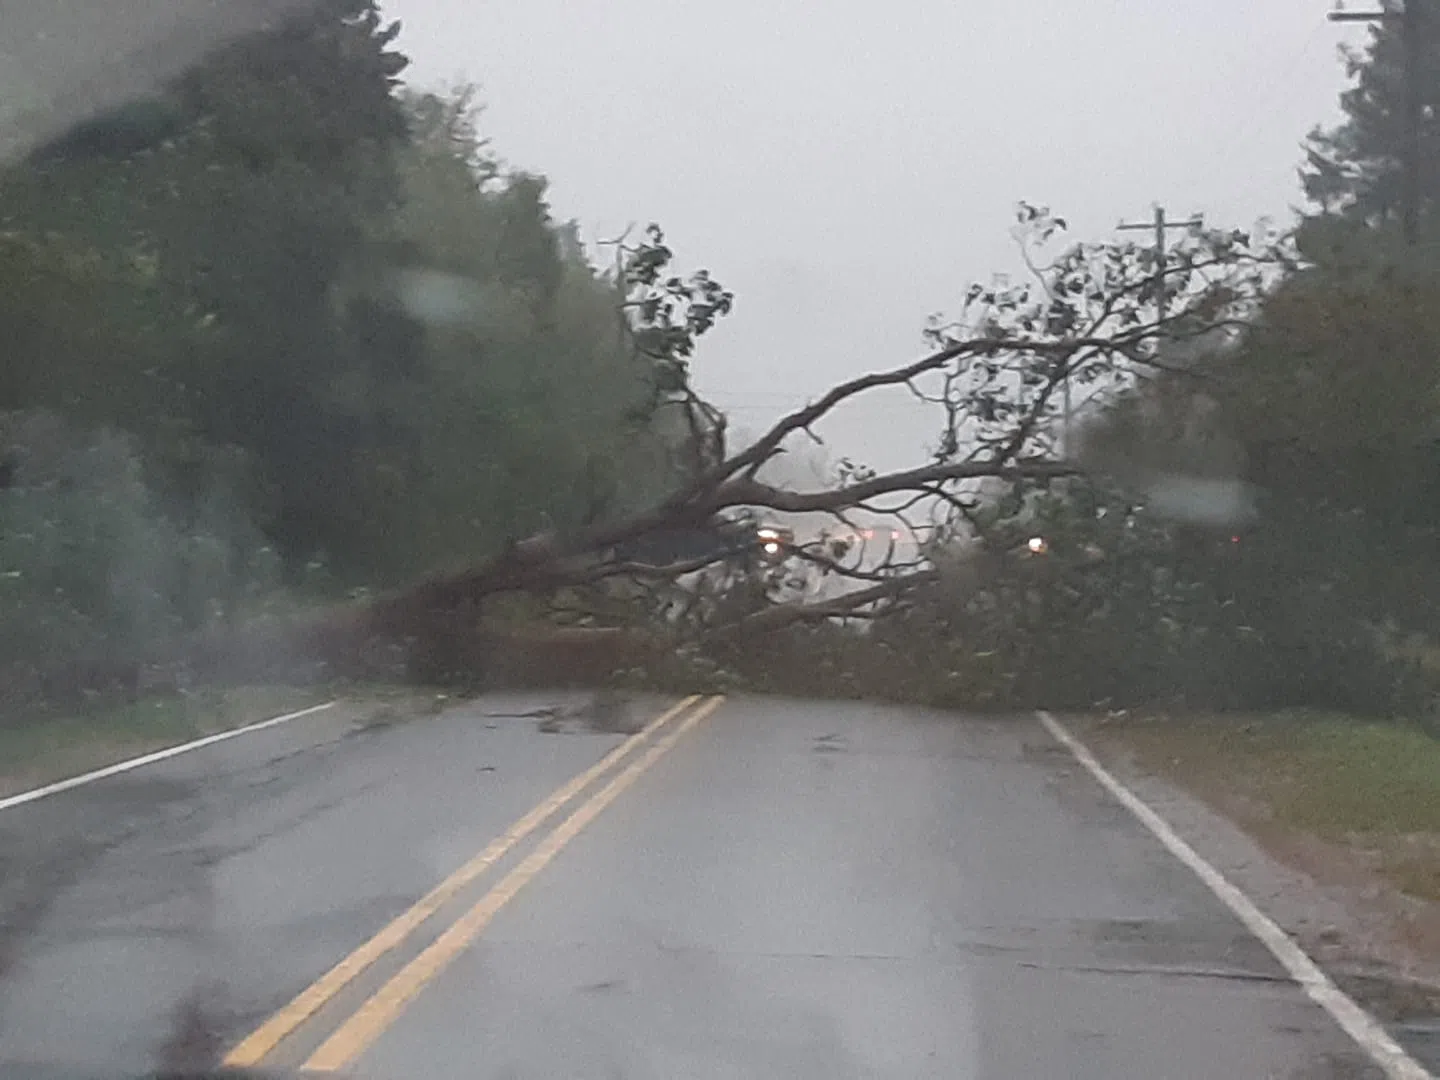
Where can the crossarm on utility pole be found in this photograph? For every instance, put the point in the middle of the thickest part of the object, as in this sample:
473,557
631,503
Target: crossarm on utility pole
1161,225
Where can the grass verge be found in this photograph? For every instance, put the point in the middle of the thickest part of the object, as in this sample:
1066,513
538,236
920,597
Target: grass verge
38,747
1371,788
1353,805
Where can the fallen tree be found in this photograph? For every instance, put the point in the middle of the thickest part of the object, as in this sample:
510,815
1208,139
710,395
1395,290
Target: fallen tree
1003,378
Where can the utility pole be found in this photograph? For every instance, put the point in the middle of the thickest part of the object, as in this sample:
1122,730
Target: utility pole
622,292
1411,18
1161,226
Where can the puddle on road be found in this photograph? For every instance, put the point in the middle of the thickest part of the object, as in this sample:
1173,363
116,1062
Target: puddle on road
601,714
194,1041
1184,946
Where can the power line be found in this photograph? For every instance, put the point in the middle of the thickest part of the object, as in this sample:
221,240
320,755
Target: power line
1279,88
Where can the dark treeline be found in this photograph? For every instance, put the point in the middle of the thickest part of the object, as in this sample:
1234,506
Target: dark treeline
290,325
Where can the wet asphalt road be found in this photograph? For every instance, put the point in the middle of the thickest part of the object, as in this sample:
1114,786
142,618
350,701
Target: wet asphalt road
807,890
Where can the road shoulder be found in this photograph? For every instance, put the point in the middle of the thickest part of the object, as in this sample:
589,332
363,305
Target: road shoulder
1322,885
40,749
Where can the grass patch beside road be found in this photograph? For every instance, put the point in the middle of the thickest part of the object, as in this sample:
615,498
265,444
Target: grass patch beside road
40,747
1372,788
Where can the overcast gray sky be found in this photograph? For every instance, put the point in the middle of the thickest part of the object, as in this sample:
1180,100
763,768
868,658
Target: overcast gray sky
849,166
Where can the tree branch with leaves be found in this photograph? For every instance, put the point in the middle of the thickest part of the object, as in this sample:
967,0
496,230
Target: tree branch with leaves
1088,318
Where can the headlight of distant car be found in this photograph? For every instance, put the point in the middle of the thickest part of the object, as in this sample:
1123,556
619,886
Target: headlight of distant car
773,541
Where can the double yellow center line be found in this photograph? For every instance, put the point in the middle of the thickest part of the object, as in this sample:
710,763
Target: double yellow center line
355,1034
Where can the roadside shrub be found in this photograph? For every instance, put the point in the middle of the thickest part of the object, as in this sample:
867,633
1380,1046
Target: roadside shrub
1123,610
96,581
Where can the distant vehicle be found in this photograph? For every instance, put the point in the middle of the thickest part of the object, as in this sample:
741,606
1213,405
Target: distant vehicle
775,541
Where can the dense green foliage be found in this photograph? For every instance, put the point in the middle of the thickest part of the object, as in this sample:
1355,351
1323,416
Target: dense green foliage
97,575
1355,170
1324,413
292,280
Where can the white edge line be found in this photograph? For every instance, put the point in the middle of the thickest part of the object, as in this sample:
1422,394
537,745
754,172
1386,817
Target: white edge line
159,755
1367,1032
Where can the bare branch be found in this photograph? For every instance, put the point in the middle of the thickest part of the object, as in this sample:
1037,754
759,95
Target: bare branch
810,414
854,573
846,606
648,571
745,492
